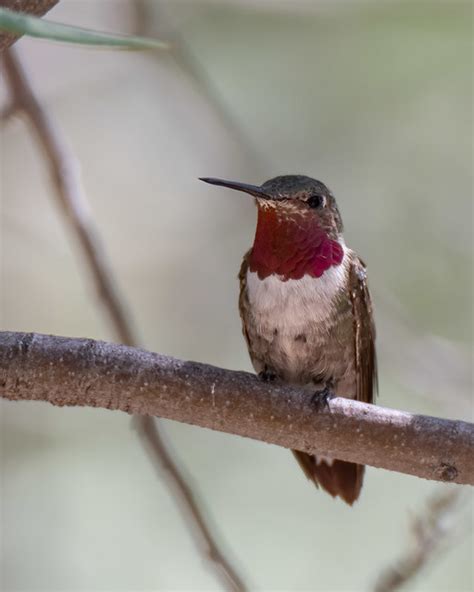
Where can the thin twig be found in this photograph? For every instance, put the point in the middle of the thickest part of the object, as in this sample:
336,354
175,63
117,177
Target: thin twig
73,202
152,440
69,193
431,530
83,372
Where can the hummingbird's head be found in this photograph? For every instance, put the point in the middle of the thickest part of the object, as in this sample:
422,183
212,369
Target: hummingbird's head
293,196
299,228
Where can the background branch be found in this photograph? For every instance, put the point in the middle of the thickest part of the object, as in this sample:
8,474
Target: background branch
70,195
73,203
432,530
79,372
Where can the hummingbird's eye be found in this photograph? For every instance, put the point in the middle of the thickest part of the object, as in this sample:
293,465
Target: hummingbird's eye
315,201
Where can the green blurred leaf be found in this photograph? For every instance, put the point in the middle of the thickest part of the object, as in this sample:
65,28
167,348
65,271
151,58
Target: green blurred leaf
24,24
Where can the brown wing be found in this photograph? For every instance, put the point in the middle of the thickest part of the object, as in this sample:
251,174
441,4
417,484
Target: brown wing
364,333
243,297
341,478
244,308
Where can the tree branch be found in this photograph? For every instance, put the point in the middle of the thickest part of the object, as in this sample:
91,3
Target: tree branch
83,372
70,195
33,7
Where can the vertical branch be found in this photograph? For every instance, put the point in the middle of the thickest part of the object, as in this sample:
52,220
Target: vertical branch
152,441
70,195
72,200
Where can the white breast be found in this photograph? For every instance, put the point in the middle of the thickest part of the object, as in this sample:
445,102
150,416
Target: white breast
293,304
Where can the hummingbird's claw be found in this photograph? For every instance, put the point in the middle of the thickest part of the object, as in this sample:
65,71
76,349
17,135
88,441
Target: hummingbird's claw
320,399
267,375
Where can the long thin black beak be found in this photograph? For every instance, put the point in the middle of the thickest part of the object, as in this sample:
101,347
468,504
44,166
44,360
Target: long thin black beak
254,190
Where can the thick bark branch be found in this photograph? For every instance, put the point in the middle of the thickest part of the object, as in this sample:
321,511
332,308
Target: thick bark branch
83,372
33,7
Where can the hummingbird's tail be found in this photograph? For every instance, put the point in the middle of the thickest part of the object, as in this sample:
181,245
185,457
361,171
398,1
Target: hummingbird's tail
337,477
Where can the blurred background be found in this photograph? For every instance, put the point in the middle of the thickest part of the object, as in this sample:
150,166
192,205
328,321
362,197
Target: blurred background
374,99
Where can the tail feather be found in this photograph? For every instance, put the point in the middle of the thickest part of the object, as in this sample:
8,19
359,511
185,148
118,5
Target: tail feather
338,478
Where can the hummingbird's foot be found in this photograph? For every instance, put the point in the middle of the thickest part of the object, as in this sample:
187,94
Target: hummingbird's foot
267,375
320,399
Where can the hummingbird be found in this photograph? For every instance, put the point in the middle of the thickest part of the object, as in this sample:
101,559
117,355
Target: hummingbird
305,307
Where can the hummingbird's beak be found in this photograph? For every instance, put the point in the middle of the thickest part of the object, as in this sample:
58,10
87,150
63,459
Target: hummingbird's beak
254,190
